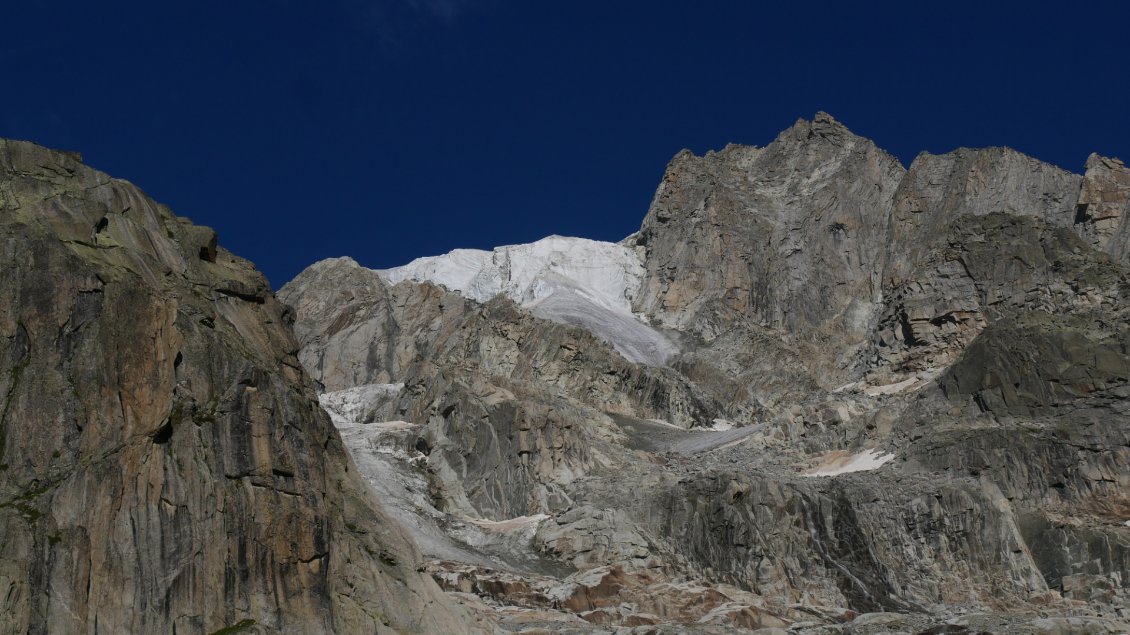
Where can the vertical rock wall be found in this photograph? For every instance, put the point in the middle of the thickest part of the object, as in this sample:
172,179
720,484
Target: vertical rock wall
164,465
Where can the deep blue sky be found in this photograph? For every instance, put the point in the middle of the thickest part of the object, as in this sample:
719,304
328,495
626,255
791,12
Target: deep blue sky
391,129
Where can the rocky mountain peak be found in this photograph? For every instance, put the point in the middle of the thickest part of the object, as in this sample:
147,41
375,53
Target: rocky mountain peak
821,128
938,188
817,198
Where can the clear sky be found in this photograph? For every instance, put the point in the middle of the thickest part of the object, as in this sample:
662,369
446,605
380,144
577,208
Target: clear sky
391,129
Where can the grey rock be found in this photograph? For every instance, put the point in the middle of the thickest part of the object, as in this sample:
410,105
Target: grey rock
938,189
964,317
164,466
791,235
1029,268
1104,204
412,330
1072,626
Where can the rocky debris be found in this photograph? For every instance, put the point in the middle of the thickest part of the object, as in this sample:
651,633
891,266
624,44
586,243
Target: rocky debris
617,598
956,331
164,466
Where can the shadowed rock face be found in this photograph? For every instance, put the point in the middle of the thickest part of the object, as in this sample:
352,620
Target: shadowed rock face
938,189
164,466
965,320
1028,267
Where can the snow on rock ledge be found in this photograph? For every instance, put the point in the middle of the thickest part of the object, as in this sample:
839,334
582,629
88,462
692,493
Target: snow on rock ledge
576,281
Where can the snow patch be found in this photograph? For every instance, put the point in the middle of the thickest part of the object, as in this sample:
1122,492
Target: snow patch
633,339
890,389
840,462
576,281
1127,523
914,382
607,273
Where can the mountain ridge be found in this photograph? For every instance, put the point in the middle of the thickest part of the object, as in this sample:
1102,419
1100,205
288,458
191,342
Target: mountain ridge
896,400
962,318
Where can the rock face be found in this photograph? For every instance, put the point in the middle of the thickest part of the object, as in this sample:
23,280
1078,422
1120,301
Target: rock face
939,189
791,235
1103,206
164,466
544,387
897,401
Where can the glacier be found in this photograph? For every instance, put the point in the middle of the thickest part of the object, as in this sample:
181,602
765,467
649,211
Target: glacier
577,281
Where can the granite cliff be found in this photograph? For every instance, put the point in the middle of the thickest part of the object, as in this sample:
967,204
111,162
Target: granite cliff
164,464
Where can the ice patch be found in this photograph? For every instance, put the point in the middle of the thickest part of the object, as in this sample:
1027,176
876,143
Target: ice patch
398,477
576,281
350,405
840,462
633,339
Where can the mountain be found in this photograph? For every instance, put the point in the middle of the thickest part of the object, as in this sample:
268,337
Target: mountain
164,464
817,391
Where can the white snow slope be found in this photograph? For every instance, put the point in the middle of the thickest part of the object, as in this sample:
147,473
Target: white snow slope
576,281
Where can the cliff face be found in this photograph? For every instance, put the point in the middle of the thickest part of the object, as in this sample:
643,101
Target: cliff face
791,235
1103,207
164,466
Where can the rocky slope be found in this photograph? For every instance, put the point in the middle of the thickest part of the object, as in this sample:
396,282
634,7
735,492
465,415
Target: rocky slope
896,390
164,466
